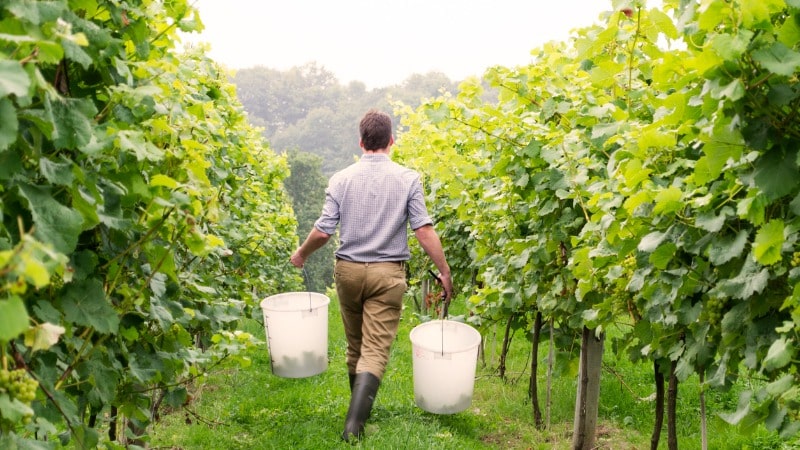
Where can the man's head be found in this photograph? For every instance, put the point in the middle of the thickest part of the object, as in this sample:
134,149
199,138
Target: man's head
375,130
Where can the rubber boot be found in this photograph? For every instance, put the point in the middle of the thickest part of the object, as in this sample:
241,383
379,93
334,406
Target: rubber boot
352,380
365,388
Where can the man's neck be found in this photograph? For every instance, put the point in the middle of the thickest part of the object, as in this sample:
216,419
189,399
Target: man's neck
380,151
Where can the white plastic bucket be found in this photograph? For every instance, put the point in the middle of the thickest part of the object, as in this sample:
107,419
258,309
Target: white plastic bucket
444,361
296,324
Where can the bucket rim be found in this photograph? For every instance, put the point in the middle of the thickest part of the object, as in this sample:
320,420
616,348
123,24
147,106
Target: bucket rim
438,322
318,299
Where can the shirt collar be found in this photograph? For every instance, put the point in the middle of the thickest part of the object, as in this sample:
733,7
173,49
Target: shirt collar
375,157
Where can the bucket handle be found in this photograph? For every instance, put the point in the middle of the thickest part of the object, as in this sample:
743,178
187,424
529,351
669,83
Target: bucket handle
305,281
445,302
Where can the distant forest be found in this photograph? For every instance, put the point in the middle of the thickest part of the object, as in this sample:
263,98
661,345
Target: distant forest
306,108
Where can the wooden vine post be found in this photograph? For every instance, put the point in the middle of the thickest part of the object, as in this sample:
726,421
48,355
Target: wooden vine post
588,398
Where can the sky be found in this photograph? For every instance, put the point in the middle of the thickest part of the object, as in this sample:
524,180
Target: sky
381,43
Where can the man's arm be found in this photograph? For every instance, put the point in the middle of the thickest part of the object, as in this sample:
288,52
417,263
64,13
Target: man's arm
430,242
313,242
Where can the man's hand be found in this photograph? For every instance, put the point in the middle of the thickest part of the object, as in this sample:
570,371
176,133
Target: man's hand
313,242
297,259
447,284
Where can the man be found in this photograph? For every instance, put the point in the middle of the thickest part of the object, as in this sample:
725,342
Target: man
373,201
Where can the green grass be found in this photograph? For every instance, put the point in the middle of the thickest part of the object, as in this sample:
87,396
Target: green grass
251,408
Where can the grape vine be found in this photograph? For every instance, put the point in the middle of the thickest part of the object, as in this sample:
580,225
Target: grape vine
141,218
659,151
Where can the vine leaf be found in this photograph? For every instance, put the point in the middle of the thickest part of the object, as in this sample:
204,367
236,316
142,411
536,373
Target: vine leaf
55,223
668,200
768,243
779,355
71,117
13,409
723,248
776,174
650,242
719,148
746,283
57,172
778,59
9,125
85,303
13,319
13,79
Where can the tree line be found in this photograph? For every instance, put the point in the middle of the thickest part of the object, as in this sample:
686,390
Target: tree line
307,108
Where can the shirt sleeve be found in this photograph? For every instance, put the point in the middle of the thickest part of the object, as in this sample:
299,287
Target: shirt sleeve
417,211
329,219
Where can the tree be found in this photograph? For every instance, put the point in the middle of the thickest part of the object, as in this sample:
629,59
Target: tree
284,98
306,186
305,108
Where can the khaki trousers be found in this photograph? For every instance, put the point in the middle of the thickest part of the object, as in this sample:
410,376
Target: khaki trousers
370,299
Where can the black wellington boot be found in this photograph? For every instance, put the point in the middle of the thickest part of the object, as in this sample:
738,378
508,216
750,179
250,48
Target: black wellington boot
365,388
352,380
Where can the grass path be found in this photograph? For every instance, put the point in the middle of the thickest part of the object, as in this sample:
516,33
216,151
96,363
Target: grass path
251,408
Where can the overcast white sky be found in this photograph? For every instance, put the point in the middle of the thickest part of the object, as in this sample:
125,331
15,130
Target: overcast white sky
383,42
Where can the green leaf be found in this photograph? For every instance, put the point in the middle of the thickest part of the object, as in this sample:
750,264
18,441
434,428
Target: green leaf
710,222
519,260
742,410
731,47
135,142
781,385
789,32
105,379
13,409
661,257
59,173
778,59
668,200
753,208
776,173
9,125
778,356
795,205
13,318
768,242
725,248
721,147
651,241
73,119
85,303
777,414
13,79
438,114
163,180
37,12
732,91
55,223
757,14
746,283
74,52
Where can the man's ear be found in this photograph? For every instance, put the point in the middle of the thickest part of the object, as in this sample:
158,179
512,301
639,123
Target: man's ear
361,144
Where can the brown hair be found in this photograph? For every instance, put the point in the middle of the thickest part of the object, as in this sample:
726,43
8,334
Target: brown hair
375,130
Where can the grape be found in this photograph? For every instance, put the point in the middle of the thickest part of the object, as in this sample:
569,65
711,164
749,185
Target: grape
715,309
796,259
629,263
17,385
